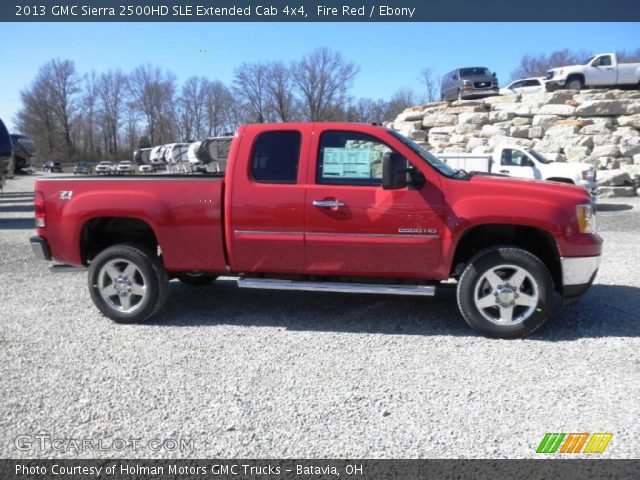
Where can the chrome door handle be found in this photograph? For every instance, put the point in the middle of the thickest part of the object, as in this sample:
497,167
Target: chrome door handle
328,203
504,171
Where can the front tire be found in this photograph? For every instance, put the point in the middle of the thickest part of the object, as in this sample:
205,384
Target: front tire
575,83
128,283
505,292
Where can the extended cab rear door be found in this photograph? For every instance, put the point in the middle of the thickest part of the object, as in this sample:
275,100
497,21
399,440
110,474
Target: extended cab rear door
265,200
353,226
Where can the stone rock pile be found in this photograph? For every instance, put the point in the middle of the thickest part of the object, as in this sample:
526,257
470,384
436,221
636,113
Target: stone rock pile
601,127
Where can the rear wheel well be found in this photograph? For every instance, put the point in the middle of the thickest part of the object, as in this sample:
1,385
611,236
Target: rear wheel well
534,240
103,232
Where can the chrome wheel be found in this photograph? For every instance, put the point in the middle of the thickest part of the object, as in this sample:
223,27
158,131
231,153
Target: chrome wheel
122,285
506,295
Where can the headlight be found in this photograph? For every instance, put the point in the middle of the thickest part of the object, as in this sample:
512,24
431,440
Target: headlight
586,215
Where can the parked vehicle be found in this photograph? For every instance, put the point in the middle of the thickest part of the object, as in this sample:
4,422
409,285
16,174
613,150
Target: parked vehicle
52,167
145,169
602,70
524,163
124,167
6,154
24,151
525,85
82,168
327,207
141,156
213,153
105,168
469,82
157,159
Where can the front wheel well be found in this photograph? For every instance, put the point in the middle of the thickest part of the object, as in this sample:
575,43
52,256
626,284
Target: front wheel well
560,179
534,240
101,233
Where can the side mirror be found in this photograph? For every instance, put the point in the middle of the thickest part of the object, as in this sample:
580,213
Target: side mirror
494,75
394,171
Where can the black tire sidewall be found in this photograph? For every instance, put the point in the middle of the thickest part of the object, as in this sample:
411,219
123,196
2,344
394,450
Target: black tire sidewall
151,268
196,280
488,259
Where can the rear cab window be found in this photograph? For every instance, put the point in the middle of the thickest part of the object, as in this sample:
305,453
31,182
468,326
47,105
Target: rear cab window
276,156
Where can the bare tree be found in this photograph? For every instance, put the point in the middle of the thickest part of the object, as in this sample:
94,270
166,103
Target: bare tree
111,91
250,84
280,90
89,124
322,79
51,107
538,65
431,84
400,100
631,56
153,92
222,112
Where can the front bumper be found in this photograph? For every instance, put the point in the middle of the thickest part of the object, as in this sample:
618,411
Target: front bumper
555,84
479,92
40,248
578,274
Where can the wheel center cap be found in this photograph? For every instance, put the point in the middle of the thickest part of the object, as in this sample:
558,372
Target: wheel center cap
506,295
122,285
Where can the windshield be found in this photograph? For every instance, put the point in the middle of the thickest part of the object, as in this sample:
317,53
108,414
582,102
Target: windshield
425,155
474,72
538,156
588,60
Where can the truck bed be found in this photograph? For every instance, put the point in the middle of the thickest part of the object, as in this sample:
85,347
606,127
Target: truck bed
183,211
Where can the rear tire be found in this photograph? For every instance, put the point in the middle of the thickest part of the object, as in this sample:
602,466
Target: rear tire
196,279
505,292
128,283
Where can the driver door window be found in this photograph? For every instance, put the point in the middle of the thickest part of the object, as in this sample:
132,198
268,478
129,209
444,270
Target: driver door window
347,158
514,158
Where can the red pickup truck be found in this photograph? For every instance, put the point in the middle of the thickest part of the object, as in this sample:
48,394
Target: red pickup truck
329,207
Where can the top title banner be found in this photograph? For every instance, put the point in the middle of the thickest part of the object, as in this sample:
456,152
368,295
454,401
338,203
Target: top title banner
320,11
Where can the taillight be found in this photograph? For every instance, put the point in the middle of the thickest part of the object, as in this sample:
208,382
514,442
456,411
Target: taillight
39,207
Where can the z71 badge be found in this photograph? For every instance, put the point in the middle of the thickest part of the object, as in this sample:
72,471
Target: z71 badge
65,194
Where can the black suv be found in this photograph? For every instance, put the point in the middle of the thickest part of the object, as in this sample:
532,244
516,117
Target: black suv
52,167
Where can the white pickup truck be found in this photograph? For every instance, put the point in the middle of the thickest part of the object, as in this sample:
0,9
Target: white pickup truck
602,70
524,163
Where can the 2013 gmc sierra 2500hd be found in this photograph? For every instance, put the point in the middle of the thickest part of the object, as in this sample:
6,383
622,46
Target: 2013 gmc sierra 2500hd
327,207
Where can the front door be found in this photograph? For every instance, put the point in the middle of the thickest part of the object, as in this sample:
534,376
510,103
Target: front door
353,226
602,71
516,163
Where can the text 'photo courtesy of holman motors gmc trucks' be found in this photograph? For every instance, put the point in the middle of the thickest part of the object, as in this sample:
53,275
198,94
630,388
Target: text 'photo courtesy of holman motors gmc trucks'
328,207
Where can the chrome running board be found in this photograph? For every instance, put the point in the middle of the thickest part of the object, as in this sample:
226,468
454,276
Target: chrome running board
272,284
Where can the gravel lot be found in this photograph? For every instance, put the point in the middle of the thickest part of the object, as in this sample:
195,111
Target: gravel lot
291,374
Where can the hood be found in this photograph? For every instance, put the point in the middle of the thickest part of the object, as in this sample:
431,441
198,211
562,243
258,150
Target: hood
524,188
568,167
